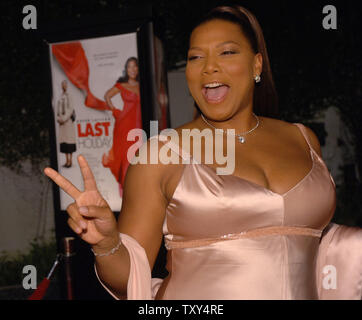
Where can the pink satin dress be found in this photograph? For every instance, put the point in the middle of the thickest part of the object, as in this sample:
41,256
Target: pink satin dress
229,238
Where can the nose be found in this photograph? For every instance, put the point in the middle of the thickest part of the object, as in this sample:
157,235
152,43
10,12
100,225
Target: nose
210,66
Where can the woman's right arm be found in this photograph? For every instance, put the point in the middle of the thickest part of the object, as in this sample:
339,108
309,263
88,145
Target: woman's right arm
141,217
108,96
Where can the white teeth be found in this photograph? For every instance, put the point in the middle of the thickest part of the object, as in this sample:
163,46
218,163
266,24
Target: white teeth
213,85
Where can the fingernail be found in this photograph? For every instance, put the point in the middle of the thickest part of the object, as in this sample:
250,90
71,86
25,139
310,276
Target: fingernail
83,224
83,210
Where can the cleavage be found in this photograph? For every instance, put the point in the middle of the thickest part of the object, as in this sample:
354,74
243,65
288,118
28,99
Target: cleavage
266,184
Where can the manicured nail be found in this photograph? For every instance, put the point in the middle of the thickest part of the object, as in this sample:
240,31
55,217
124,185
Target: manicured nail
83,210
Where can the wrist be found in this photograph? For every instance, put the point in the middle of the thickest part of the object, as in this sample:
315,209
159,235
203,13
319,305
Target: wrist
107,246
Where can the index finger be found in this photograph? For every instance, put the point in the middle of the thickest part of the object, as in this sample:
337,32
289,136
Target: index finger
62,182
89,181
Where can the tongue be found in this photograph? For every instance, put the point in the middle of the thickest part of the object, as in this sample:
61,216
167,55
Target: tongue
216,93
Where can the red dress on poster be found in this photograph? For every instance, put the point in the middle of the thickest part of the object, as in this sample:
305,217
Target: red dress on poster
125,120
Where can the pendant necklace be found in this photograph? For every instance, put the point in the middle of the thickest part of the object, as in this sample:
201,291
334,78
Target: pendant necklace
241,136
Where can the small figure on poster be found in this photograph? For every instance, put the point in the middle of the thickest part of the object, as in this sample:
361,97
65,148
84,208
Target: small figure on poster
66,118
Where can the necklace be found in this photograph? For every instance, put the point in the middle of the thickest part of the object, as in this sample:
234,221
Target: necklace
240,136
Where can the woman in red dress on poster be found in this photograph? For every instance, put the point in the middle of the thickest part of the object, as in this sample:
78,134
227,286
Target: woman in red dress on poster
125,120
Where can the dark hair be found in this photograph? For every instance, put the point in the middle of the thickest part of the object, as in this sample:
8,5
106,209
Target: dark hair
125,77
265,96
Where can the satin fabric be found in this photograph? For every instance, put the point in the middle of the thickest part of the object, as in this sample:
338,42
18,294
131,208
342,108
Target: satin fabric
264,245
73,60
341,248
125,120
140,285
279,266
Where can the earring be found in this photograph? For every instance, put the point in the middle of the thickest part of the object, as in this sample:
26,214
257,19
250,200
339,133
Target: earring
257,78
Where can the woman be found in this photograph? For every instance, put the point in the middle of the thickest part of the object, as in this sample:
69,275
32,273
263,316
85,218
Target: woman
250,235
125,120
65,112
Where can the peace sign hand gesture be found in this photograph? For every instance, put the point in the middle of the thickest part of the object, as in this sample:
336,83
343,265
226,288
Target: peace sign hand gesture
89,216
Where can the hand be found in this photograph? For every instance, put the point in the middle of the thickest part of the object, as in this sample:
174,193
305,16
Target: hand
89,216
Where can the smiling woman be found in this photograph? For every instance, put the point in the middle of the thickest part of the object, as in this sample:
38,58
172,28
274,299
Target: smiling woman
246,50
254,234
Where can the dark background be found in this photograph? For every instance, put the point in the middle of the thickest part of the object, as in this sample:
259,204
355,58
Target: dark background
313,69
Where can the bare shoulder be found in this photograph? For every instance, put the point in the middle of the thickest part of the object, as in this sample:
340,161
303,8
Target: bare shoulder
278,126
151,168
287,128
313,139
143,169
124,84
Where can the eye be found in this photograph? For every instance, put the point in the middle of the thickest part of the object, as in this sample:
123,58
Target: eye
227,52
193,58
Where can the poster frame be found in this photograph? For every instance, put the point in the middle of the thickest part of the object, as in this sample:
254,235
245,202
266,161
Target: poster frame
132,20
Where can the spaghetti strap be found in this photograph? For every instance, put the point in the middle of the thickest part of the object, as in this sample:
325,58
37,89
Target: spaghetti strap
304,133
187,158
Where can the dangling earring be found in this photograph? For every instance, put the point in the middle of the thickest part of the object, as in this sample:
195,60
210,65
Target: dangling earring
257,78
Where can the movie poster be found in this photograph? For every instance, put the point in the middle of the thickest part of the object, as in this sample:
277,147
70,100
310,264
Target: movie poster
96,101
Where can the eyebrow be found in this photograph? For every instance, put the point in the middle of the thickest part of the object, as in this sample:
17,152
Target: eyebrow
219,45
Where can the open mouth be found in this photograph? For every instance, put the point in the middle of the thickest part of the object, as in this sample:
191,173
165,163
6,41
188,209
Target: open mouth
215,92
